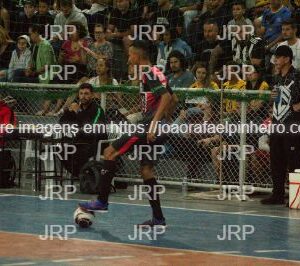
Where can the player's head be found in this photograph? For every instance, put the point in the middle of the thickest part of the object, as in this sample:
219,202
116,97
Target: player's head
176,62
85,93
138,53
283,57
289,29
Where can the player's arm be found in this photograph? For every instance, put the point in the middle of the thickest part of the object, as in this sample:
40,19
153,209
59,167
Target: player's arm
163,105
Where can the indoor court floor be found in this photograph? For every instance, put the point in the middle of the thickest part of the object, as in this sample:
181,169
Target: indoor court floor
194,236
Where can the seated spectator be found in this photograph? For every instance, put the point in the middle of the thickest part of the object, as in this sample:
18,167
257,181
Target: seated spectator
238,13
73,53
256,110
99,49
69,13
121,24
43,17
243,48
21,56
180,77
7,45
4,16
260,7
272,20
86,111
216,10
25,19
289,34
234,81
203,47
168,15
171,43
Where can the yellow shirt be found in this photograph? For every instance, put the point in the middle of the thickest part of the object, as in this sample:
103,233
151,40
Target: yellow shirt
213,85
263,86
232,105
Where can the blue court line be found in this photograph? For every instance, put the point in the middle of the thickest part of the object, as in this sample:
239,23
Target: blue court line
187,229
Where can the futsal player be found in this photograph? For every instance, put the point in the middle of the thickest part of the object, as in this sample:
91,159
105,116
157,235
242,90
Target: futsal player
157,99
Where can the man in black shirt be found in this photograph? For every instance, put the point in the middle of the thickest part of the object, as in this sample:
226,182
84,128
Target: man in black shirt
284,146
86,112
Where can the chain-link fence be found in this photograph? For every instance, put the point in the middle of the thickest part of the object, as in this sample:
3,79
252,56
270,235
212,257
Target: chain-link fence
206,144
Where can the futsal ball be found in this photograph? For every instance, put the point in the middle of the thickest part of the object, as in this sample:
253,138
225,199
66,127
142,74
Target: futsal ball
83,218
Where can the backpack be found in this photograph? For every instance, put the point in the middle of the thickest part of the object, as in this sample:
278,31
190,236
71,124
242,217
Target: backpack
90,177
7,169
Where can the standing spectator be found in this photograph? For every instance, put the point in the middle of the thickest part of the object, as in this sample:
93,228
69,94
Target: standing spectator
168,15
171,43
21,56
4,17
7,46
25,19
180,77
272,20
43,17
260,7
101,48
238,13
289,34
284,147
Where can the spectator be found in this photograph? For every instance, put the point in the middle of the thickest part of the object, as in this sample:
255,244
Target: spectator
216,10
258,28
82,113
289,34
260,7
180,77
73,53
4,17
171,43
296,14
7,46
43,17
238,13
69,13
189,8
21,56
257,108
99,49
121,24
203,47
168,15
25,19
234,81
97,14
242,48
272,20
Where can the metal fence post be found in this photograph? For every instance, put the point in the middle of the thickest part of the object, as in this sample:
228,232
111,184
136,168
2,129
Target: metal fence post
242,159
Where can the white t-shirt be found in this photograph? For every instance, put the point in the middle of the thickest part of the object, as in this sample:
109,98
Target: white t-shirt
296,52
96,82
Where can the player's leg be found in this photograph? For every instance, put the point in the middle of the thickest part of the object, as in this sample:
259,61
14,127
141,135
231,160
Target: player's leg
147,172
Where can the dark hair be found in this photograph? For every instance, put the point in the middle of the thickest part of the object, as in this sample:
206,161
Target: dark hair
81,30
291,22
29,2
143,46
239,3
200,65
108,66
47,2
66,3
86,86
99,25
37,28
180,56
172,32
211,21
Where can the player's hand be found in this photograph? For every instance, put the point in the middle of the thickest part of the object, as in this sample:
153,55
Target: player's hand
151,137
74,107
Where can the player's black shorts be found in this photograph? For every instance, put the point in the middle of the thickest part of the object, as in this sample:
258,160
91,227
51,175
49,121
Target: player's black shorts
146,153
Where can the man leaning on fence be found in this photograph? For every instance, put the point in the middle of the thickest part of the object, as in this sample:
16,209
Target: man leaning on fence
284,146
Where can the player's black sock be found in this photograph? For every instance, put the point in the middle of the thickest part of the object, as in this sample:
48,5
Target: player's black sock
106,176
154,202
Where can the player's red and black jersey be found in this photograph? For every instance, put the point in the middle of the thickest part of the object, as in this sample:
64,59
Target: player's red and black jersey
154,84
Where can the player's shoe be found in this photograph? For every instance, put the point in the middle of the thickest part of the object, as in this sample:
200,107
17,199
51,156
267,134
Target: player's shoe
159,223
94,206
